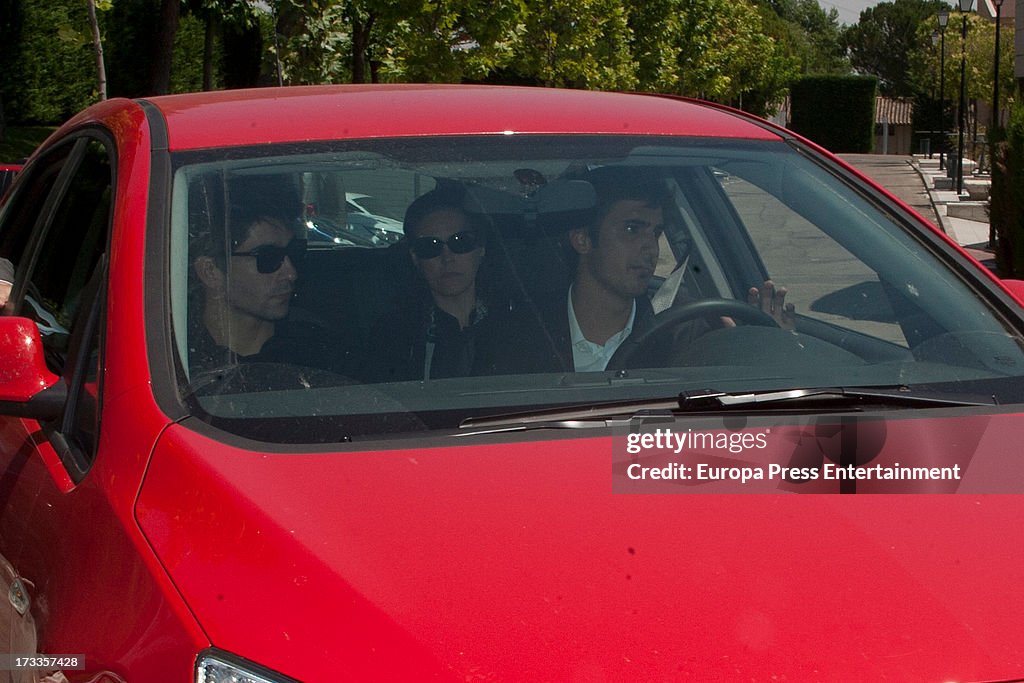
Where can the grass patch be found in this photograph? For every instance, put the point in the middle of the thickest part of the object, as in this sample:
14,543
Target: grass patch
20,141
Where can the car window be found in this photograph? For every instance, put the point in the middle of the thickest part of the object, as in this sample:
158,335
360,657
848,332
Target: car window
71,249
58,230
22,211
294,321
824,280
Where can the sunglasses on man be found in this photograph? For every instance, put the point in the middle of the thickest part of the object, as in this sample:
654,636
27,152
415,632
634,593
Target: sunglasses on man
269,257
461,242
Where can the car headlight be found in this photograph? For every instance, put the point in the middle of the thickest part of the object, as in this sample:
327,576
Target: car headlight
213,666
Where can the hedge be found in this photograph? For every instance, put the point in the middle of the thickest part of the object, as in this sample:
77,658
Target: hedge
837,112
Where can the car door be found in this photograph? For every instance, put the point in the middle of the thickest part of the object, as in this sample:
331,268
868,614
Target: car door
55,229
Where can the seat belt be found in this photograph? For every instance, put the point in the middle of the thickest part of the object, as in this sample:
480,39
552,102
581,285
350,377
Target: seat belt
666,294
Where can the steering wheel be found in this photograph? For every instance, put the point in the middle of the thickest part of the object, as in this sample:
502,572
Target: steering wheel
644,343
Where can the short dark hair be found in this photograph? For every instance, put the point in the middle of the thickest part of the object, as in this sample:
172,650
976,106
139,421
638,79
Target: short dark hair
254,199
249,200
438,199
613,184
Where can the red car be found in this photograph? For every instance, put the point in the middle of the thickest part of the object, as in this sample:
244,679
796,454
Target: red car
225,452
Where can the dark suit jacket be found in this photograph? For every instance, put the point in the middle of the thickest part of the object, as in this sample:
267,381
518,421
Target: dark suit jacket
300,354
538,338
398,343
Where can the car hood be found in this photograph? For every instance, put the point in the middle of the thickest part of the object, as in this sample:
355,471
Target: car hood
478,560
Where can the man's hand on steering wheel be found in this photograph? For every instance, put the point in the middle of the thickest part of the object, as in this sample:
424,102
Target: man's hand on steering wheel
772,300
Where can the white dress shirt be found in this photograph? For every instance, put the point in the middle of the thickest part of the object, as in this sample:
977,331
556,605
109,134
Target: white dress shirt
588,356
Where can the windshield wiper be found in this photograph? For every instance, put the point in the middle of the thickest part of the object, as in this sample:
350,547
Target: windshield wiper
901,396
624,413
582,416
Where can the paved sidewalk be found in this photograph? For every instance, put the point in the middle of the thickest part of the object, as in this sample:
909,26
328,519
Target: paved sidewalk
918,182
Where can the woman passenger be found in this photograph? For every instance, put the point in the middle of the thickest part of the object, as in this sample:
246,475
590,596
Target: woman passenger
435,333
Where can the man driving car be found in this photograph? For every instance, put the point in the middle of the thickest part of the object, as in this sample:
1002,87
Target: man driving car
616,253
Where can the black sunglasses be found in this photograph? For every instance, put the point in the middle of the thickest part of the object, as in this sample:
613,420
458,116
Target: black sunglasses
269,257
459,243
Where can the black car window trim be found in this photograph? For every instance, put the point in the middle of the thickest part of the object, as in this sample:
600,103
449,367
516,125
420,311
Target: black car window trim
166,375
88,333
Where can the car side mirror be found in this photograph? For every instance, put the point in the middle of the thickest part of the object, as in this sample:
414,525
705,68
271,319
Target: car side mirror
27,387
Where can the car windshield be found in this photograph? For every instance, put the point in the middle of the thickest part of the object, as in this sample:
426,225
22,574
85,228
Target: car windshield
361,289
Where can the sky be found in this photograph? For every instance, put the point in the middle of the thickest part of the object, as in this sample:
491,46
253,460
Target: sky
849,10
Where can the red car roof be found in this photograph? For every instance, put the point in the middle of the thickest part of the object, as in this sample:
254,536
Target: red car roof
268,115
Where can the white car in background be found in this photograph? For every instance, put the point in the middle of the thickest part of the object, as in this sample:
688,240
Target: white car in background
361,228
389,230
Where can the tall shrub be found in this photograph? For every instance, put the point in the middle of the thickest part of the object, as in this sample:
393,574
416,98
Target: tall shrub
837,112
1006,200
47,72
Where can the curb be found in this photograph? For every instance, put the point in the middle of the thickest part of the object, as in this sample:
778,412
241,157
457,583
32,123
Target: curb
981,252
943,219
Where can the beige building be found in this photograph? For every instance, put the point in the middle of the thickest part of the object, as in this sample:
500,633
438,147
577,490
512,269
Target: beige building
894,125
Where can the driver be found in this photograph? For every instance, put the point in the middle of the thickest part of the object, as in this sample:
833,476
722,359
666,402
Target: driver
616,254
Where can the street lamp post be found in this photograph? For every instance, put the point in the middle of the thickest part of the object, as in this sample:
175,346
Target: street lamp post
965,7
995,74
931,133
943,20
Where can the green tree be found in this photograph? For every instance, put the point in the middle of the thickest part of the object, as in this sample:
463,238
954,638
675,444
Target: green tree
329,41
743,52
807,33
655,27
713,49
454,41
313,42
131,32
980,51
365,18
883,42
221,21
161,46
578,44
198,54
